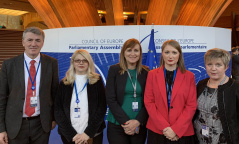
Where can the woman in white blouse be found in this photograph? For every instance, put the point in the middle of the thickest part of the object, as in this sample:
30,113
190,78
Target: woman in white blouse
80,103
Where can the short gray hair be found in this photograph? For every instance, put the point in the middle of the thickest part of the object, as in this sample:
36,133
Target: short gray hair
34,30
218,53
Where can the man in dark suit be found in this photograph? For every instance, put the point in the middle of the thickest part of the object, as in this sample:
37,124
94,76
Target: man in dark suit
235,63
28,84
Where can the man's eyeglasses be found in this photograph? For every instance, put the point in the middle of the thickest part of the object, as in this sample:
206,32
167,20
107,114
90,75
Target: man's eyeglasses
79,61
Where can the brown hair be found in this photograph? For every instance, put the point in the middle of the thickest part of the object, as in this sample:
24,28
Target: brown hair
177,46
130,43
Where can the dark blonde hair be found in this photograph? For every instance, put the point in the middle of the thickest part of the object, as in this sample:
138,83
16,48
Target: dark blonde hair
130,43
216,53
177,46
91,75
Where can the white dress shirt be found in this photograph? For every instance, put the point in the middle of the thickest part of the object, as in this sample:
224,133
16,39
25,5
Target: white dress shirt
80,124
28,60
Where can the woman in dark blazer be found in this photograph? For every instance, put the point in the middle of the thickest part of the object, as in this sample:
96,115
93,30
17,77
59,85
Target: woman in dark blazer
80,104
217,117
124,95
170,99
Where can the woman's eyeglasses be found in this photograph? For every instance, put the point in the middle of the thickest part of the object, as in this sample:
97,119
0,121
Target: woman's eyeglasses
79,61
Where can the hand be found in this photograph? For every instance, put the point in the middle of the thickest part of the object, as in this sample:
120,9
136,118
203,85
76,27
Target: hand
169,133
3,138
53,125
176,138
130,126
80,138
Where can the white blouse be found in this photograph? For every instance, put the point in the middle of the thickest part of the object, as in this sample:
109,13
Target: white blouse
80,124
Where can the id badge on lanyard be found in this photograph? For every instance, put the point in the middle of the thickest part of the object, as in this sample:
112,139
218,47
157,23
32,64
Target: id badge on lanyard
33,98
77,112
205,130
77,109
135,106
33,101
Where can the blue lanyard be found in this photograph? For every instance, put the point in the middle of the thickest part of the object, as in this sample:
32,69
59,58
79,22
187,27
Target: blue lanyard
169,91
33,87
77,97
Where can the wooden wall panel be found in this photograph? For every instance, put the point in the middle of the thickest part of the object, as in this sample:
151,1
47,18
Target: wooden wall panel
162,12
201,13
46,12
29,18
77,12
10,44
131,5
67,13
114,10
17,5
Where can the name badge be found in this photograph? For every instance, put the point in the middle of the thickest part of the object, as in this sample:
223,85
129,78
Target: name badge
77,113
135,106
205,131
33,101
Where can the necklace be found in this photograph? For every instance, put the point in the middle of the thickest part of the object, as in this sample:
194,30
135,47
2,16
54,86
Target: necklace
224,79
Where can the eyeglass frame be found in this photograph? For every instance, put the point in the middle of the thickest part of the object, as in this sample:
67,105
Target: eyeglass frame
78,61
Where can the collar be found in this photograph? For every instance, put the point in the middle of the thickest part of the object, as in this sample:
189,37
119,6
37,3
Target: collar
28,59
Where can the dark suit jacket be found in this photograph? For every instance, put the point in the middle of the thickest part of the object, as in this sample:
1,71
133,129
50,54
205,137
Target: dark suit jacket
115,88
12,93
96,105
182,107
235,67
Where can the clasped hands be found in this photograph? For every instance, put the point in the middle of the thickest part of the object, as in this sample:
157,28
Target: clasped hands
81,138
170,134
130,127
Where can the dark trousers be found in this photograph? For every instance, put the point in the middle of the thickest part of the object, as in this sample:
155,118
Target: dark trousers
116,135
31,132
155,138
96,140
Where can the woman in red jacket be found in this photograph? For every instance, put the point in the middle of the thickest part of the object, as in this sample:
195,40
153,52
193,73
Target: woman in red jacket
170,99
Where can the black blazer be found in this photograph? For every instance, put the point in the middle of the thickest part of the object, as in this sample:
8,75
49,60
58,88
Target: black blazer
115,88
96,104
228,104
12,93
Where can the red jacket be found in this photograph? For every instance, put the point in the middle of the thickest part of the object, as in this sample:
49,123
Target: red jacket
182,107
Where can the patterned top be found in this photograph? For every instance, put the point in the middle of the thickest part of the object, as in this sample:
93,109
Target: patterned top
208,116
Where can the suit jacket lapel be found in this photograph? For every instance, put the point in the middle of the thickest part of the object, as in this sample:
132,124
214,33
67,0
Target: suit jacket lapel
123,85
161,85
177,83
43,72
19,64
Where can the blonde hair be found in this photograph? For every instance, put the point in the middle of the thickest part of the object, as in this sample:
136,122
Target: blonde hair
216,53
91,74
177,46
130,43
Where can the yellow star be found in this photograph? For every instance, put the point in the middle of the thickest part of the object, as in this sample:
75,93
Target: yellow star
151,51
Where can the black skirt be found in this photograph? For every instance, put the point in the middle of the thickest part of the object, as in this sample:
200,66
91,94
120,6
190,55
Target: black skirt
155,138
